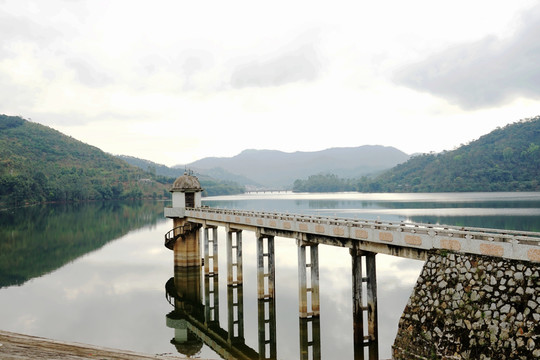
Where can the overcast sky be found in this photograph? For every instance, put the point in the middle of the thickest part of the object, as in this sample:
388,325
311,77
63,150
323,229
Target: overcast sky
176,81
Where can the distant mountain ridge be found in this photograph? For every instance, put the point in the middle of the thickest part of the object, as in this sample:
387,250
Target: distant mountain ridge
278,169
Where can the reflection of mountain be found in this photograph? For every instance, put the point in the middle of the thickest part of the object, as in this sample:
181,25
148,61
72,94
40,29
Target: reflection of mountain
39,239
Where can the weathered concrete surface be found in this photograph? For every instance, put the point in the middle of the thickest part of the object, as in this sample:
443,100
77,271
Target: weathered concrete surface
17,346
472,307
187,246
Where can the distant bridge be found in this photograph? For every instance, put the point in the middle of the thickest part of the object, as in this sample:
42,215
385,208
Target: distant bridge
269,191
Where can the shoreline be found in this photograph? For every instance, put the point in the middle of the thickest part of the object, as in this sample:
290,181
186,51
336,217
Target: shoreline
14,346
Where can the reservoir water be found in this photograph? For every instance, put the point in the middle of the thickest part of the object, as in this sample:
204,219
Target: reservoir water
96,272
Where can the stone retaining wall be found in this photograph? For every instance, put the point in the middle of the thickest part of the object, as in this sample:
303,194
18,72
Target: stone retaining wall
472,307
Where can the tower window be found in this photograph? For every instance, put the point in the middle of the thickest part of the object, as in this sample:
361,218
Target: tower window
190,199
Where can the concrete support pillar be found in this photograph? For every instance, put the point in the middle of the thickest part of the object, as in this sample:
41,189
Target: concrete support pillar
265,269
308,300
210,250
234,257
211,279
186,246
308,279
266,297
364,337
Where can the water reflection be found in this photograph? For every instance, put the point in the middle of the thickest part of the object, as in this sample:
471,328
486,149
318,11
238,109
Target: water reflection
39,239
183,291
310,338
192,324
195,317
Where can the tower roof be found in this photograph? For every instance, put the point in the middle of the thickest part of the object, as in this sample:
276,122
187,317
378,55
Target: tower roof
186,183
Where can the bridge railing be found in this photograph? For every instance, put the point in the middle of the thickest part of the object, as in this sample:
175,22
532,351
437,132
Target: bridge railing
172,235
470,233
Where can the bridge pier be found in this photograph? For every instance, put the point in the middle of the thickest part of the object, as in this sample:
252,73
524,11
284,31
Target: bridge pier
308,305
234,257
265,274
308,300
186,247
266,297
210,251
363,339
211,278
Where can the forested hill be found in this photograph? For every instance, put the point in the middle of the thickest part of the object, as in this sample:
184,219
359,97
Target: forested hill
507,159
39,164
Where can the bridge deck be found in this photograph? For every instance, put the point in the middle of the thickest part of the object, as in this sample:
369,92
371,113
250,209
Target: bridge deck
411,240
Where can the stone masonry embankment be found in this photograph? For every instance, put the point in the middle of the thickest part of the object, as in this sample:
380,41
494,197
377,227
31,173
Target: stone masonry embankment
472,307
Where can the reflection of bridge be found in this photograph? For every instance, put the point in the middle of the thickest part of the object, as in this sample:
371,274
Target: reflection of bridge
195,322
363,238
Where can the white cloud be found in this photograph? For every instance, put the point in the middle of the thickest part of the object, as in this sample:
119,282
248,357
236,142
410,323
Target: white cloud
484,73
176,81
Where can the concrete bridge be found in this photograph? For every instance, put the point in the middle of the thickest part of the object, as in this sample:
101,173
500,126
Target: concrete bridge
468,271
408,240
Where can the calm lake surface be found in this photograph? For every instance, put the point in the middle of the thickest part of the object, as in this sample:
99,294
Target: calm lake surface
96,273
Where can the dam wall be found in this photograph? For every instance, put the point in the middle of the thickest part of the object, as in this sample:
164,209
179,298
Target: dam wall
472,307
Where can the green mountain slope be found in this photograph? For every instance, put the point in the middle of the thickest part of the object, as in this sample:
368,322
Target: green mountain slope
507,159
39,164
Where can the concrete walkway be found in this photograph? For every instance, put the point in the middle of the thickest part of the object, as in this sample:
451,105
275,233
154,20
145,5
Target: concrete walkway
17,346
